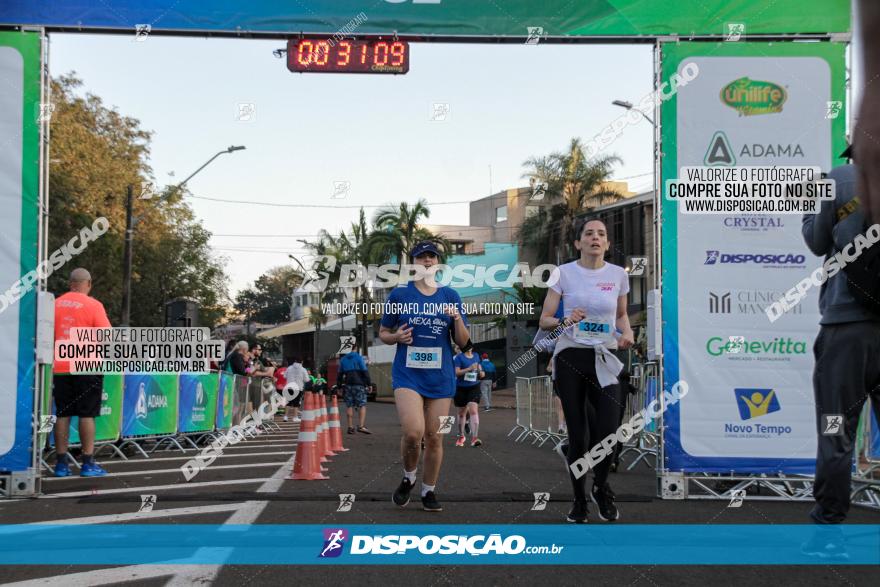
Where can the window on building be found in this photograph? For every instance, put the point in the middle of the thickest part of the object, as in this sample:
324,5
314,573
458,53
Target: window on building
458,248
501,214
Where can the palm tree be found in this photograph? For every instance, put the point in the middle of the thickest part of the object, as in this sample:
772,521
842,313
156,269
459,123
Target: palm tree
396,230
575,184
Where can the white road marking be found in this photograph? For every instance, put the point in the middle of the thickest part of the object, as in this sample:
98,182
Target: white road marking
110,475
166,513
113,463
156,488
182,575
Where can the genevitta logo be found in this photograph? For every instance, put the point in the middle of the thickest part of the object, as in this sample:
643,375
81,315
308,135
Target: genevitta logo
334,542
782,260
778,346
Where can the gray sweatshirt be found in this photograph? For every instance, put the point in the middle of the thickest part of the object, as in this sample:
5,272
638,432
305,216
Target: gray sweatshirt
825,236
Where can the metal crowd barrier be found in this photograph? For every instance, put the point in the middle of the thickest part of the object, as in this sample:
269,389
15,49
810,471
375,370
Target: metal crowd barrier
645,377
129,406
536,416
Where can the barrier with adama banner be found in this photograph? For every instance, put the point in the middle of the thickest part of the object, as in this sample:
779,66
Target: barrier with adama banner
150,409
198,404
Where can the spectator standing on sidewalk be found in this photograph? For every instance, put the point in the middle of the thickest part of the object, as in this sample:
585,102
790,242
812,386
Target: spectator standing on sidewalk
356,378
77,395
846,351
488,383
297,377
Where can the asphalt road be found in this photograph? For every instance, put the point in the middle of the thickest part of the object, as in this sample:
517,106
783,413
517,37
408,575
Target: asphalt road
490,484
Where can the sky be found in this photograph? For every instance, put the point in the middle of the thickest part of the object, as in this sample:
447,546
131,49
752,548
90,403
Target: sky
506,103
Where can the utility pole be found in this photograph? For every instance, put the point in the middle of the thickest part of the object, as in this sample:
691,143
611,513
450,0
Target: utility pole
131,221
126,262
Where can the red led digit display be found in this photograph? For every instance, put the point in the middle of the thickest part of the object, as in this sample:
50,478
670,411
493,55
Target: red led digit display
348,56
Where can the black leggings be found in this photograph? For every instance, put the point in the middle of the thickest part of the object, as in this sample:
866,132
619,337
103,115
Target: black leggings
591,412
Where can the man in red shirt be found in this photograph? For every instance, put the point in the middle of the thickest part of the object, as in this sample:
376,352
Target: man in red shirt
77,395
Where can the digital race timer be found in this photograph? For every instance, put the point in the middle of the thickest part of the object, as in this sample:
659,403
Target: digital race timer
347,56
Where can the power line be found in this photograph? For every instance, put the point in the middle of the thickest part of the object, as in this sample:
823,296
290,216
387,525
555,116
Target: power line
279,205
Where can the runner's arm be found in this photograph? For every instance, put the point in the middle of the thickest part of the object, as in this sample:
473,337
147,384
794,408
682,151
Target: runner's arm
622,323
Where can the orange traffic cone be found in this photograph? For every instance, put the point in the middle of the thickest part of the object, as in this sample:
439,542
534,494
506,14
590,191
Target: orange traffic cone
305,466
336,428
325,424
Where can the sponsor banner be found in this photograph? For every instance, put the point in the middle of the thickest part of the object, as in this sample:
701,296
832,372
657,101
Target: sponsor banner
150,404
520,18
108,425
754,105
19,199
225,389
463,544
198,402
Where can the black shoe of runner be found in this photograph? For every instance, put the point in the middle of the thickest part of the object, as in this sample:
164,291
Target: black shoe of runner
604,500
401,494
578,513
430,503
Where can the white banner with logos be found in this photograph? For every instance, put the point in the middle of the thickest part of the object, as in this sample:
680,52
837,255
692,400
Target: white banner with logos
751,404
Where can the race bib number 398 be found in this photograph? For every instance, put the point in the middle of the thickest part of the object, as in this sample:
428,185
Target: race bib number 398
424,357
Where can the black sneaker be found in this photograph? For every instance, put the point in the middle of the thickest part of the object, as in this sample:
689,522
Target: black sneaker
604,500
578,513
401,494
430,503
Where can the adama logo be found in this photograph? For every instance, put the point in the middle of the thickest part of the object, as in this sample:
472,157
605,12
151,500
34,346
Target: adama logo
750,97
334,542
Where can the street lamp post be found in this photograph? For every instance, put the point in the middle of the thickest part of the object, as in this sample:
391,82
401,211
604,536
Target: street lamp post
131,221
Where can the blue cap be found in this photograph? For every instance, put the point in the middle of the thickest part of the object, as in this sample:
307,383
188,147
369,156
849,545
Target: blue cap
424,247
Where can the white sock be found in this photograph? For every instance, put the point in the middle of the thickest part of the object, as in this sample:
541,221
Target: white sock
426,489
410,475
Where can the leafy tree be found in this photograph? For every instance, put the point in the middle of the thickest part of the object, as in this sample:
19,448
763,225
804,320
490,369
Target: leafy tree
268,301
96,153
574,184
396,230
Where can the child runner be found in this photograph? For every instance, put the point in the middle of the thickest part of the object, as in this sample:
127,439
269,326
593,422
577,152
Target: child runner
422,375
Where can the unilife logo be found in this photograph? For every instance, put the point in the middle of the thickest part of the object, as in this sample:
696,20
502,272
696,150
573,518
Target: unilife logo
750,97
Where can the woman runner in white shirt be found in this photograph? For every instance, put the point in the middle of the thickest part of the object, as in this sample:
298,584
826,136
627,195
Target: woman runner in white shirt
593,294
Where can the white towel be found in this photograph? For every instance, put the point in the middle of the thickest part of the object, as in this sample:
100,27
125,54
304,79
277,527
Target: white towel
608,367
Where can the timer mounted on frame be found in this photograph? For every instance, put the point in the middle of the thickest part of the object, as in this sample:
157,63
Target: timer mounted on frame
327,55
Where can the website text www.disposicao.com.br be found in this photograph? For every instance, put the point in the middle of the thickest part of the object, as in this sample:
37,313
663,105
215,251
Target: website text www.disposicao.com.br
451,544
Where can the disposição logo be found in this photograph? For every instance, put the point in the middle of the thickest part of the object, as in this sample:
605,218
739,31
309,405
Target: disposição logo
750,97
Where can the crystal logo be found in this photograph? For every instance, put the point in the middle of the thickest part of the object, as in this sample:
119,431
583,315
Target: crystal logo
753,223
751,97
753,402
334,542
